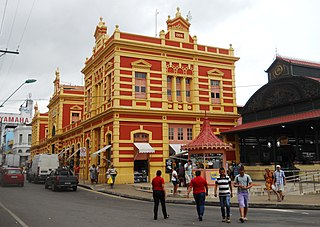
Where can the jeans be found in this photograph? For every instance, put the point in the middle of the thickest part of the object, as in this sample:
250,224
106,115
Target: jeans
200,199
225,202
159,196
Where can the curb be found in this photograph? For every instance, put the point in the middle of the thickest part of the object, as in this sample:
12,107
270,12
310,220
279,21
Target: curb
210,203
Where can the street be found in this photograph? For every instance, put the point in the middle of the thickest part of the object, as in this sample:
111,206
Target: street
35,206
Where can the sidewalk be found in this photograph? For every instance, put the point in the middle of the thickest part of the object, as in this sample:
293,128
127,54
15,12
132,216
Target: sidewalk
142,191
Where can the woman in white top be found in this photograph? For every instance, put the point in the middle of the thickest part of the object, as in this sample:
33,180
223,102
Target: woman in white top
175,181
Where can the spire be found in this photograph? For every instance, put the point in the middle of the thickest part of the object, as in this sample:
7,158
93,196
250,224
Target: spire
36,109
56,82
101,30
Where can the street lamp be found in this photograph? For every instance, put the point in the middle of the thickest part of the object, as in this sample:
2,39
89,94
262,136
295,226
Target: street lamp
273,144
29,81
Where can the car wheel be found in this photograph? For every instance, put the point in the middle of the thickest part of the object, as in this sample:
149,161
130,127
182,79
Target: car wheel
74,188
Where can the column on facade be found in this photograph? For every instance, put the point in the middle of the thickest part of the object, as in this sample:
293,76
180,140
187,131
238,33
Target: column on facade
195,87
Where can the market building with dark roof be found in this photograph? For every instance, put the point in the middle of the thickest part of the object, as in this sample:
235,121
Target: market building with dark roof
280,122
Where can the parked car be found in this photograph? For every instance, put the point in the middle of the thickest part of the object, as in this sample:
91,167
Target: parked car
61,178
42,165
11,176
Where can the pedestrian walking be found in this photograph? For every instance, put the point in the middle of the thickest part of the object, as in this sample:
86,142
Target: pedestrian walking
175,181
243,182
97,174
188,172
181,175
111,175
269,180
200,191
223,182
159,194
279,182
93,173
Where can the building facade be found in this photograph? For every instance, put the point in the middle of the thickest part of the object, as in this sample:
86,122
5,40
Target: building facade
9,124
22,142
144,96
280,122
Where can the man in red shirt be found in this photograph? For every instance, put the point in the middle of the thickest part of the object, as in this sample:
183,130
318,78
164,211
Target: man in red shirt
159,194
200,191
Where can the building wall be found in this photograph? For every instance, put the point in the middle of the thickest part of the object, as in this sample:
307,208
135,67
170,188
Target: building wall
113,111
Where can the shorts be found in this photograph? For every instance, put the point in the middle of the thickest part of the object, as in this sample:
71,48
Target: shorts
279,188
243,199
175,182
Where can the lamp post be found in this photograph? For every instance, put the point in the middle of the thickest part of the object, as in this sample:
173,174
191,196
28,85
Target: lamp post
273,144
29,81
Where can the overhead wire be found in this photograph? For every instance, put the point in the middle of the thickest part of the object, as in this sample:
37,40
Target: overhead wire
25,27
3,16
14,19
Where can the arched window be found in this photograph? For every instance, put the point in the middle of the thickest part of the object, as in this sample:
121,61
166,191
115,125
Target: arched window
19,151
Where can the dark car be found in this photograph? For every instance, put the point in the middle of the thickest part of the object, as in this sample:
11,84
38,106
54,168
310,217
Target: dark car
61,178
11,176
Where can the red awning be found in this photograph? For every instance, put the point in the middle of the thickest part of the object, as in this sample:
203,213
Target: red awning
277,120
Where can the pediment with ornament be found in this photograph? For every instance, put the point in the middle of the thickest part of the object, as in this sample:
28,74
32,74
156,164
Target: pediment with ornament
76,107
215,72
141,64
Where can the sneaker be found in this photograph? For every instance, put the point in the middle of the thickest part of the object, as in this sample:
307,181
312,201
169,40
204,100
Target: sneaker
166,217
223,220
228,220
245,219
241,219
200,218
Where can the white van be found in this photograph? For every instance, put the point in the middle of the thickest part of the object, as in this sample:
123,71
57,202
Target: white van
42,165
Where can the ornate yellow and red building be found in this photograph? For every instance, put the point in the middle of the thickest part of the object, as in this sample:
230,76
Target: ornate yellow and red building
143,96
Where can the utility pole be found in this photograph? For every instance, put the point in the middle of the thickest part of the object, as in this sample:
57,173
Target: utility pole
8,51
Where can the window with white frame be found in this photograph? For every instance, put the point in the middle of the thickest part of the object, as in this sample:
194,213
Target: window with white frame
189,133
171,133
75,116
169,88
178,88
140,85
215,91
188,89
180,133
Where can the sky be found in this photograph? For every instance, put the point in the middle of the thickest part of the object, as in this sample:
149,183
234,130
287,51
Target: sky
59,33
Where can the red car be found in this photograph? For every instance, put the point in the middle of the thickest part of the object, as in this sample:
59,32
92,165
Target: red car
11,176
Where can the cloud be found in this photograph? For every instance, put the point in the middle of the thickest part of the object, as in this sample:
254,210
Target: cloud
60,34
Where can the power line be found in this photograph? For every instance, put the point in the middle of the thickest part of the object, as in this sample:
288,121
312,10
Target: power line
14,19
3,16
25,27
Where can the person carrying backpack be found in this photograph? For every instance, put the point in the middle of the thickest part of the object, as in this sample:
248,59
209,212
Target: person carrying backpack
243,182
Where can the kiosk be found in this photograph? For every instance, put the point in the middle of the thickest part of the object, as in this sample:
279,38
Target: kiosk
207,153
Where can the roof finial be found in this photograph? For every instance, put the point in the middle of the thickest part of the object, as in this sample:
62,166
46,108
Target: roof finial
178,14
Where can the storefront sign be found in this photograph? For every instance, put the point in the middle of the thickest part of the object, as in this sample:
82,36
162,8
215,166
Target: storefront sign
14,119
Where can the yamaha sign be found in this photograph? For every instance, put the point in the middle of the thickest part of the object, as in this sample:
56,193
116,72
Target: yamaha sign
14,119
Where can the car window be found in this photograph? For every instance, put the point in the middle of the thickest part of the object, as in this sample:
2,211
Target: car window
14,171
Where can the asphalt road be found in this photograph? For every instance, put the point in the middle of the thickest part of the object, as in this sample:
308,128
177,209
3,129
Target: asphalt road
35,206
